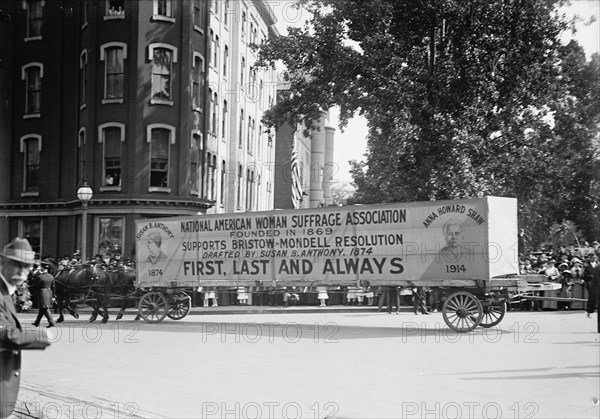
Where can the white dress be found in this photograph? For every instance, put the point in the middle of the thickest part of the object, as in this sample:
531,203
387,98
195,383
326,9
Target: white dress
322,293
242,294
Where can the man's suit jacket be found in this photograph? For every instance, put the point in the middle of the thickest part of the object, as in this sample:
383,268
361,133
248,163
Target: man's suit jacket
12,340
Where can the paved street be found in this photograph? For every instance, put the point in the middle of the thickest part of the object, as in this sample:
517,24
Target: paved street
342,365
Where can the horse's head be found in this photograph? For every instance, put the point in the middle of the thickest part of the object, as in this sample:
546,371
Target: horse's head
94,276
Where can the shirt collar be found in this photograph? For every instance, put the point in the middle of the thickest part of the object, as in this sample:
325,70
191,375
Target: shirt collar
11,288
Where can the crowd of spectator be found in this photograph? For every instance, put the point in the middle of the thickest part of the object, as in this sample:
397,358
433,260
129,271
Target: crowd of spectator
571,267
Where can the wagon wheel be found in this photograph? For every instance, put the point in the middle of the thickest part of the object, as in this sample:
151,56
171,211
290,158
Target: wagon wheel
179,306
153,307
462,311
493,313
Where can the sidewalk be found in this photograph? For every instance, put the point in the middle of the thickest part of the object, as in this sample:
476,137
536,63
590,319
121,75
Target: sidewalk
237,309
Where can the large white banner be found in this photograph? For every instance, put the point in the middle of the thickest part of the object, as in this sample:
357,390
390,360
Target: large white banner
461,239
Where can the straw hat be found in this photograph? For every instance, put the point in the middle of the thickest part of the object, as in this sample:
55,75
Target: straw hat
20,250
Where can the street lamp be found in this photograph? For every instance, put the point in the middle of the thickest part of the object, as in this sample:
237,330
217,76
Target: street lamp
84,193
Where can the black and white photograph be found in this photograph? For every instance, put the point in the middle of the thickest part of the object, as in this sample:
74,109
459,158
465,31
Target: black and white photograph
276,209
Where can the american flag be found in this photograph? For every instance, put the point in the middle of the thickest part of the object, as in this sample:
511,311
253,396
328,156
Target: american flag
296,181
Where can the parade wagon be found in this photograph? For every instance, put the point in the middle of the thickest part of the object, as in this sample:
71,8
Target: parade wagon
465,249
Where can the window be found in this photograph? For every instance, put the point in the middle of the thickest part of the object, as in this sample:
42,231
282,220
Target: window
215,4
85,10
241,134
249,188
224,120
211,111
223,174
243,24
34,19
243,69
113,54
197,81
258,194
163,56
110,237
115,9
259,139
249,134
198,16
31,146
160,137
215,114
252,92
225,59
212,169
206,177
253,32
32,74
239,187
83,78
216,52
80,157
213,48
163,8
226,12
196,149
112,136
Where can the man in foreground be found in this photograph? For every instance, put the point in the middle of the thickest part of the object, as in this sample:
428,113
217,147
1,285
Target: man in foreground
15,263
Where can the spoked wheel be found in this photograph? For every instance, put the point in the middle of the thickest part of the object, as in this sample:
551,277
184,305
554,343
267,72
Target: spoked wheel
493,313
462,311
153,307
179,306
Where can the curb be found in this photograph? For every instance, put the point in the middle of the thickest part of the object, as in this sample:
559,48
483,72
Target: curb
226,310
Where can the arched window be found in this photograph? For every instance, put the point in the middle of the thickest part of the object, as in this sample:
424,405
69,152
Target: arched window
35,9
163,56
160,137
31,146
195,149
111,135
113,54
32,74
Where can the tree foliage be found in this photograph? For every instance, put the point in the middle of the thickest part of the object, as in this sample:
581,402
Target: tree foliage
463,99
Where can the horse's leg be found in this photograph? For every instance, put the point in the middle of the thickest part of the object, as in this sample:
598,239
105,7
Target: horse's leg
104,302
122,309
96,307
73,312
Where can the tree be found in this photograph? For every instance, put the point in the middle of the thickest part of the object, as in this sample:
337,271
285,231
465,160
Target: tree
341,192
463,99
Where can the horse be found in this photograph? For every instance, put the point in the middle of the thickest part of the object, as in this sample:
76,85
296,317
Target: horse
123,285
84,281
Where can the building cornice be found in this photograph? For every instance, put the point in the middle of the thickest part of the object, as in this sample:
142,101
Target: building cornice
70,205
265,12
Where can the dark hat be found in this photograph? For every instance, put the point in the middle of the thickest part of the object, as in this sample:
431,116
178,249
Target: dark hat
20,250
566,271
